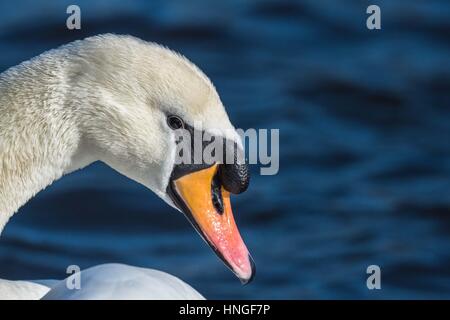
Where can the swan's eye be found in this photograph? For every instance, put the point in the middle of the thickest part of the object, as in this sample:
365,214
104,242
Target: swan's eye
175,122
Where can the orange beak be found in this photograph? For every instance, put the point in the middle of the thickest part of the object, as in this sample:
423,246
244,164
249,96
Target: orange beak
208,208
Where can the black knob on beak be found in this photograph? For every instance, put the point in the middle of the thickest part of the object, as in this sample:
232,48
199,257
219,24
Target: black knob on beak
235,178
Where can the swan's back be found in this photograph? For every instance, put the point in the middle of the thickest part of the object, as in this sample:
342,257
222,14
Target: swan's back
21,290
123,282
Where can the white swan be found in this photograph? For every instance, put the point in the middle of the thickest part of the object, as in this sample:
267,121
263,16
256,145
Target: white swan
118,99
107,281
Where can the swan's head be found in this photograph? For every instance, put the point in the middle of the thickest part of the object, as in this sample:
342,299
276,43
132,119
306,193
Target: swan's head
131,97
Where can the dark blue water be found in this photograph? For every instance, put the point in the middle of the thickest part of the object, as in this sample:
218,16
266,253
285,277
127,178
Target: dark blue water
365,148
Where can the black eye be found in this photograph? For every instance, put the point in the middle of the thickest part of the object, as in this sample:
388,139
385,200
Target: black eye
175,122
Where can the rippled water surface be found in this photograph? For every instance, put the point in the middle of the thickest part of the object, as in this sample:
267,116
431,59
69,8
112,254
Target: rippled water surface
364,141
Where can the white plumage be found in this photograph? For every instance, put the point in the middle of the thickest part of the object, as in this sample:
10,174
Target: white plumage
104,282
118,281
22,290
104,98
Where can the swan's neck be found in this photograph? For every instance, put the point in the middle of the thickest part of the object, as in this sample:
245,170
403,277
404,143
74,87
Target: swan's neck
27,171
38,140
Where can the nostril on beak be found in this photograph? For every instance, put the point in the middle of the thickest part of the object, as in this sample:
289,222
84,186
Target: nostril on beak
216,194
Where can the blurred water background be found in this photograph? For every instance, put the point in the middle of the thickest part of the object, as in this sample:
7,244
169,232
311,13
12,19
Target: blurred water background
364,148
